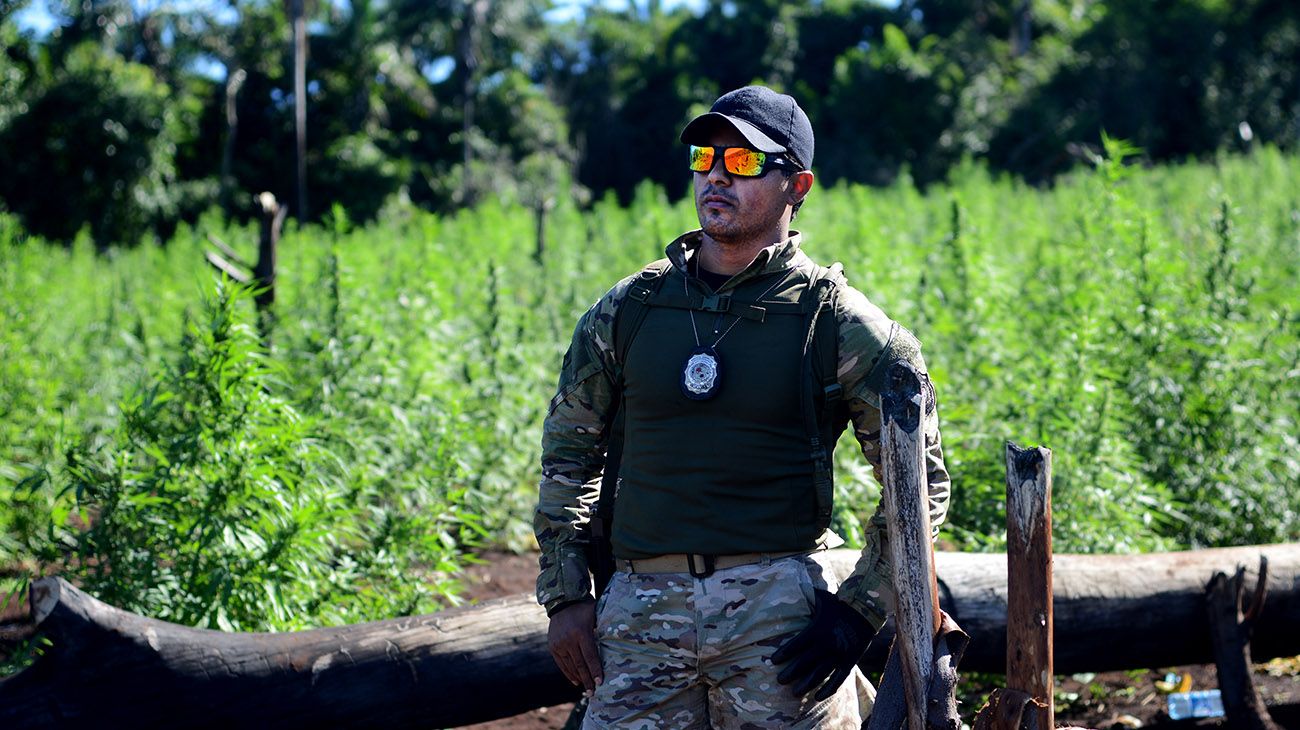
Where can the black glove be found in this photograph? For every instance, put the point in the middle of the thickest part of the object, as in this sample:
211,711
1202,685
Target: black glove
830,646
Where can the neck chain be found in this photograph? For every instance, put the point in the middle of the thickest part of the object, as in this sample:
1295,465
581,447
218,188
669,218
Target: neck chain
702,373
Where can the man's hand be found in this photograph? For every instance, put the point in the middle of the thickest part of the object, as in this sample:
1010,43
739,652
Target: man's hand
829,647
572,640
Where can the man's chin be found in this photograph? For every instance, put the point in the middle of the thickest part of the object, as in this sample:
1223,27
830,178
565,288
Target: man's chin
716,227
721,234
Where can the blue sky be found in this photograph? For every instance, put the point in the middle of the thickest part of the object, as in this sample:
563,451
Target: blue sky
36,18
569,9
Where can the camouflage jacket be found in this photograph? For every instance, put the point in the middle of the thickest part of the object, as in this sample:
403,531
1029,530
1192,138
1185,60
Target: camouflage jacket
575,434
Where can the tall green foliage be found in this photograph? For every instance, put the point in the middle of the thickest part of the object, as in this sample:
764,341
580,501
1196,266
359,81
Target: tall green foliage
217,503
1142,323
1117,319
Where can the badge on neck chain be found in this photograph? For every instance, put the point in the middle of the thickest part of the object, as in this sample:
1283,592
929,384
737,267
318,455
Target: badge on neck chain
701,376
702,373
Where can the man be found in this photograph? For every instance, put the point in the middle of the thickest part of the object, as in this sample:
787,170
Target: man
720,614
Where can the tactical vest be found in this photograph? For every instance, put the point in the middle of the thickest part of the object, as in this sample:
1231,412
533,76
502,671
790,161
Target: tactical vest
748,470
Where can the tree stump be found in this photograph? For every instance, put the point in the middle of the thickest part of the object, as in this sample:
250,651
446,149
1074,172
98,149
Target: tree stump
1230,630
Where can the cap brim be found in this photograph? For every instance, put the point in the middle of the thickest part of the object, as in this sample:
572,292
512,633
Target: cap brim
700,127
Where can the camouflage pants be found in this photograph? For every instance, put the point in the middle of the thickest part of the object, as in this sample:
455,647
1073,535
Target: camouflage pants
685,652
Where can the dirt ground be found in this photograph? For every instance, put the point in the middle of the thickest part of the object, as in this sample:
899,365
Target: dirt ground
1108,700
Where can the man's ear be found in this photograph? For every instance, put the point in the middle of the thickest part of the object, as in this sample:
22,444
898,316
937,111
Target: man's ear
800,183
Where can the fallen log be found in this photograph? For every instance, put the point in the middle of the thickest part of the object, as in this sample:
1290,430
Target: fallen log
1124,611
109,667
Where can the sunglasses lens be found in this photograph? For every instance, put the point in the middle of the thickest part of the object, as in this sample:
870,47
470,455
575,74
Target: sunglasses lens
741,161
701,158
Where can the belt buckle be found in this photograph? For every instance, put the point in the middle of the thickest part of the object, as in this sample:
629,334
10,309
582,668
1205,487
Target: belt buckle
707,560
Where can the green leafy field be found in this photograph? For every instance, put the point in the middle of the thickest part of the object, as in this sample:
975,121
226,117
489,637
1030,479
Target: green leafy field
1143,324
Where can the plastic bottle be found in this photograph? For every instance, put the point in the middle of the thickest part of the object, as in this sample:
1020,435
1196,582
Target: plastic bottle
1202,703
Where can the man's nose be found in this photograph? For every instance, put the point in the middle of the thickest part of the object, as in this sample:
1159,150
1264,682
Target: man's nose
718,173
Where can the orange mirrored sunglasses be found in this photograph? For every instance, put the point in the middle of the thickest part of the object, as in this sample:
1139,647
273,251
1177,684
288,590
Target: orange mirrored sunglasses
740,161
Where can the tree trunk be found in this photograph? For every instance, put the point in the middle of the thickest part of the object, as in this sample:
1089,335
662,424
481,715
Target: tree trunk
234,82
891,710
110,667
300,99
467,50
1021,31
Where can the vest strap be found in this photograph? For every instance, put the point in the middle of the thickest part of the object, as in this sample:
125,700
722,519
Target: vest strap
638,292
718,303
822,420
626,322
633,310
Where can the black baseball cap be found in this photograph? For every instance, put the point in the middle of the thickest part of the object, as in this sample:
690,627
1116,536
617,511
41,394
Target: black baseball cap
769,121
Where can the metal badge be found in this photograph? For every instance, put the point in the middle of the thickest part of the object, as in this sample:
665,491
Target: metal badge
700,376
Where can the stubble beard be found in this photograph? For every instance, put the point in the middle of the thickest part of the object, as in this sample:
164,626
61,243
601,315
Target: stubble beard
724,231
732,228
735,227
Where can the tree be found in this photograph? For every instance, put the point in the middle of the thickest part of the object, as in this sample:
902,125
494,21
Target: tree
625,86
17,66
100,137
887,108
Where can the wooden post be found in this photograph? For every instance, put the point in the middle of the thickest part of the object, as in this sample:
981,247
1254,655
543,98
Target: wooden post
539,218
1029,576
911,550
273,215
1230,631
918,686
262,277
